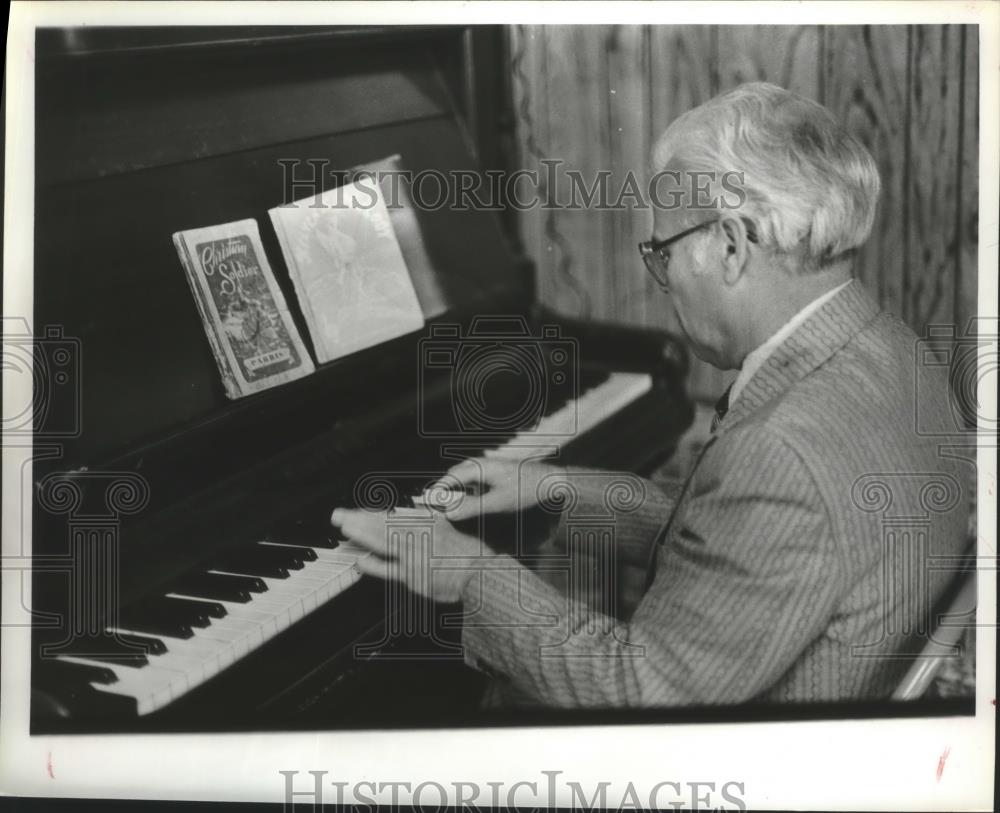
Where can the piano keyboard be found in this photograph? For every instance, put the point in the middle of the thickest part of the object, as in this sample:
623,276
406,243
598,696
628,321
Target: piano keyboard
203,647
212,619
594,406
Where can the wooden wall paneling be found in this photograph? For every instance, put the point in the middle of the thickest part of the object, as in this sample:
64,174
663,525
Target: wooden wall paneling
785,55
909,93
966,281
530,102
865,84
681,76
789,56
578,137
684,72
933,245
629,116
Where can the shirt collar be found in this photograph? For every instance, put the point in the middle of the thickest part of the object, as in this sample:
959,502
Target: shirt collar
757,357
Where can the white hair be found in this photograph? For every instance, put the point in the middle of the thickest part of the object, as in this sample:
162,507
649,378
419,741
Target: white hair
808,183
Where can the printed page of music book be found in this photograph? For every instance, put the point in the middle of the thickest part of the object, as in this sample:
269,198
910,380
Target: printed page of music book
253,338
349,273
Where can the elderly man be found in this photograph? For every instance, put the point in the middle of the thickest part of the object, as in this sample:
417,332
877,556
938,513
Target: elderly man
773,574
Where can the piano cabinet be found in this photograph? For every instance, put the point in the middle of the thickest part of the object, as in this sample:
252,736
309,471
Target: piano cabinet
186,577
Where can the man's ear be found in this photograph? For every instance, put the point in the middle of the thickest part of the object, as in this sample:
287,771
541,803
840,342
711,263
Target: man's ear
736,248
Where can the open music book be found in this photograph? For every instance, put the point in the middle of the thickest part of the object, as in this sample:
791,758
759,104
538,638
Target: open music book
349,273
252,335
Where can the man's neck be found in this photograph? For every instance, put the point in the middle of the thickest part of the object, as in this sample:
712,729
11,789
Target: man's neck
782,304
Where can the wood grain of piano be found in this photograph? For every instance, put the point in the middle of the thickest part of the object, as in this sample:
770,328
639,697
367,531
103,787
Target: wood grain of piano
228,604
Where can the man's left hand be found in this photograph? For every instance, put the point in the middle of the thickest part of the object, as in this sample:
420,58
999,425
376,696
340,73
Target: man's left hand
430,556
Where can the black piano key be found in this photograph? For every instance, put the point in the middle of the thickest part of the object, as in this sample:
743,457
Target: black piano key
187,612
246,567
200,610
285,555
304,552
253,584
153,646
154,616
108,649
301,537
274,556
330,540
50,672
219,586
316,530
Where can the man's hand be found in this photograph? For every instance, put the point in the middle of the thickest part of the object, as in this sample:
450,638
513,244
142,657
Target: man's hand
435,561
494,485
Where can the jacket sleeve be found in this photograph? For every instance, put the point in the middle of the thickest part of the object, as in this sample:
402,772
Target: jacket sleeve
639,508
748,576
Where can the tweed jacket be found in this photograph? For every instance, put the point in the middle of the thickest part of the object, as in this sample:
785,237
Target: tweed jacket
796,565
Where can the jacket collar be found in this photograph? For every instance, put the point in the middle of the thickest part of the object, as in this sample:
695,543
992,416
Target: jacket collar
809,346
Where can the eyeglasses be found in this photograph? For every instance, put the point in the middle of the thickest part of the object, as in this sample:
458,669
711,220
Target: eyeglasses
656,259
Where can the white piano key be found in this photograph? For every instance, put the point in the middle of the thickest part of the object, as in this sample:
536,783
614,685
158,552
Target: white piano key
147,699
337,556
189,662
579,415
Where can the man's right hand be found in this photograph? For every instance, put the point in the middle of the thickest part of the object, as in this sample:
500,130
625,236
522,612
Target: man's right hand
494,485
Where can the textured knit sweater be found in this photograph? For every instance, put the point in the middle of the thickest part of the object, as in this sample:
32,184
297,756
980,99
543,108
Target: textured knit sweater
800,562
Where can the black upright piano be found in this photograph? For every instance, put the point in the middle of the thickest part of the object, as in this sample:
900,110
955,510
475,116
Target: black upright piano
185,571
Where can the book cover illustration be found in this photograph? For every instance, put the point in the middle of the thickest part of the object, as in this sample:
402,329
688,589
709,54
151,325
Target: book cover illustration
349,273
246,319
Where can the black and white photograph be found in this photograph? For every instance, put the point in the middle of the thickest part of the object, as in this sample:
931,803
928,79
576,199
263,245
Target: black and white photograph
437,404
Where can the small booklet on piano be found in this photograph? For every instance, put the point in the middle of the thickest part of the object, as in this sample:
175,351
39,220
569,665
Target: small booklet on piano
348,270
252,335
